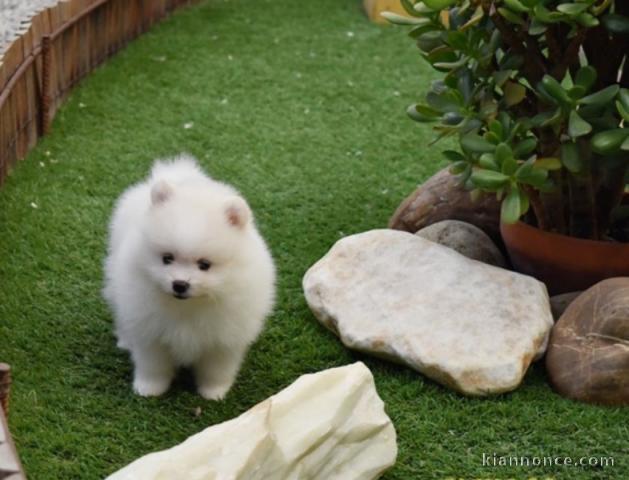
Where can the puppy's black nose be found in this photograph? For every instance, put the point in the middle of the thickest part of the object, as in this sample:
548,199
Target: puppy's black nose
180,286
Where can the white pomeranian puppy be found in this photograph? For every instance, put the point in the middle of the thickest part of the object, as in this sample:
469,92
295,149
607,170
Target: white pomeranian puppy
188,277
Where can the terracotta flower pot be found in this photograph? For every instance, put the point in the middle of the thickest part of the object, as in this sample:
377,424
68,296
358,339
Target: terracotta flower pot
564,264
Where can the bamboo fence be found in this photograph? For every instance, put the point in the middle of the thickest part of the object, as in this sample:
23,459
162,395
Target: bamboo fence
52,52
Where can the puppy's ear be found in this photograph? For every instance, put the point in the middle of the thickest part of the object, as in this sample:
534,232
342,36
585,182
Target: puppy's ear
161,192
237,212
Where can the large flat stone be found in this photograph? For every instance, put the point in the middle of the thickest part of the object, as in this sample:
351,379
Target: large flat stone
329,425
470,326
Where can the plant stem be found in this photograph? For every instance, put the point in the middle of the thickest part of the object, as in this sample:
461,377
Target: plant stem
582,207
537,206
534,66
570,56
611,194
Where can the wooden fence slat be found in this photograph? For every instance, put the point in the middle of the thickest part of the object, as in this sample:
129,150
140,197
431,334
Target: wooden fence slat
54,50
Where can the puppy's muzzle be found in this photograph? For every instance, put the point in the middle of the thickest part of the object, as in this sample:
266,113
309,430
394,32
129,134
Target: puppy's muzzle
180,288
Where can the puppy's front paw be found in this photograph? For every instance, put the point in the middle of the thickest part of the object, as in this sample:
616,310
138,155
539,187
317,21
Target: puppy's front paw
214,391
146,387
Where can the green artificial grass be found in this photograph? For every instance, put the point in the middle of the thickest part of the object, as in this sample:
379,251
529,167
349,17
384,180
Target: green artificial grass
300,105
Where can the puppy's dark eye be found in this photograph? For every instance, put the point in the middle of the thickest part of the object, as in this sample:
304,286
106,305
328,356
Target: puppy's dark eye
204,264
168,258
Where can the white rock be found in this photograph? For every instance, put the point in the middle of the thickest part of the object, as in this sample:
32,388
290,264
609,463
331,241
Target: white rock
470,326
329,425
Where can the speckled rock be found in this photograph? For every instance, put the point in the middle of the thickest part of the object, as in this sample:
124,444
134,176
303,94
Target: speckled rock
588,353
329,425
466,239
467,325
442,197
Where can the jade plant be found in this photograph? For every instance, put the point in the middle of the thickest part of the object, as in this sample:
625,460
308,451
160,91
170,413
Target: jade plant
536,93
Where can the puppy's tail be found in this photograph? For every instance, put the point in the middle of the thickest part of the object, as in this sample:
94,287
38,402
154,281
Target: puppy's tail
178,169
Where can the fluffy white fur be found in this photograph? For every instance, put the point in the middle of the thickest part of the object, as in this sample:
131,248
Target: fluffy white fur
164,230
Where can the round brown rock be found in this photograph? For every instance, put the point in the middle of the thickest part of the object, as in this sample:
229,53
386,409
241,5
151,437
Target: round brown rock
588,354
442,197
466,239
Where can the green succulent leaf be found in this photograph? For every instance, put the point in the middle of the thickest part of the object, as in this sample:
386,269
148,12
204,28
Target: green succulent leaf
511,207
398,19
438,4
553,88
510,16
429,40
497,129
503,153
528,174
601,97
587,20
453,156
514,93
615,23
576,92
572,9
537,28
421,29
548,163
577,127
476,144
610,141
452,118
509,166
516,6
474,20
421,113
624,97
546,118
571,158
501,76
491,137
409,8
489,179
458,167
586,77
624,112
511,61
488,161
525,147
447,101
546,16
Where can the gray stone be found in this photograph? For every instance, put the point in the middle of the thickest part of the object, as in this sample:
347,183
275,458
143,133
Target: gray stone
559,303
467,325
466,239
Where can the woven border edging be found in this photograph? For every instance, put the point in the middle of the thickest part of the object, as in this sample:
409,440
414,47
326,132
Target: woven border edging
57,48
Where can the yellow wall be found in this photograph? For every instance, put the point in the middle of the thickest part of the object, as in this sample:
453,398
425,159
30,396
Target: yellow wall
374,7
